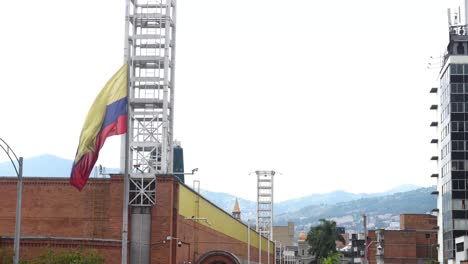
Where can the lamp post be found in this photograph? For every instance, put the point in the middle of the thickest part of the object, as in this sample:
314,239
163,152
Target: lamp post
248,241
19,172
186,173
268,241
260,246
280,253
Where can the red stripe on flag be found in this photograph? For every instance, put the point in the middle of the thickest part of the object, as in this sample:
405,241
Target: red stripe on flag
82,169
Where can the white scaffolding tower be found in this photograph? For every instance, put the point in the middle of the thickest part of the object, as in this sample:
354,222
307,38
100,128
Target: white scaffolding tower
265,203
147,150
150,52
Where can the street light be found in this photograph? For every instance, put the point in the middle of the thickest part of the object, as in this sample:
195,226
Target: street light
248,241
19,190
187,173
178,174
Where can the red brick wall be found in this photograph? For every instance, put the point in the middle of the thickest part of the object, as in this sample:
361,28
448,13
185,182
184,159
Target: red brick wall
417,222
162,250
404,246
52,208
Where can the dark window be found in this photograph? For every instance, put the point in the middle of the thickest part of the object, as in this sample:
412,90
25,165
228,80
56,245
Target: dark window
458,165
458,214
456,78
460,49
460,247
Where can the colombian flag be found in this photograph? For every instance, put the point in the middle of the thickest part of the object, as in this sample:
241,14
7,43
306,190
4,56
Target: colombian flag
107,117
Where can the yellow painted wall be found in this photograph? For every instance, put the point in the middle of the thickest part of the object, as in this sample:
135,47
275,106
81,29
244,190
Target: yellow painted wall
219,220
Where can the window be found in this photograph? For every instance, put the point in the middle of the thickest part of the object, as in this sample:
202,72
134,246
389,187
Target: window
460,49
459,126
458,185
460,247
457,107
458,146
456,88
458,204
458,165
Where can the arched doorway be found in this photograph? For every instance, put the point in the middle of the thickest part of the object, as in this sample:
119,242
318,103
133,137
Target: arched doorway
218,257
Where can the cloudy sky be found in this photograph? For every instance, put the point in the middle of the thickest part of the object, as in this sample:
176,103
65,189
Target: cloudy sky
332,94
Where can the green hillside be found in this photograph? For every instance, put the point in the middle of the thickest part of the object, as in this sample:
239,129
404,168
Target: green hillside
382,211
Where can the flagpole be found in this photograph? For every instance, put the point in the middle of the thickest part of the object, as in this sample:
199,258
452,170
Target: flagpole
126,140
126,180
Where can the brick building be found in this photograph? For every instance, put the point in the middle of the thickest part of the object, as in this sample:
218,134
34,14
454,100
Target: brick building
284,234
185,227
415,242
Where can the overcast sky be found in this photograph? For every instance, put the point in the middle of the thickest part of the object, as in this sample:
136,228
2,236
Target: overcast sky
332,94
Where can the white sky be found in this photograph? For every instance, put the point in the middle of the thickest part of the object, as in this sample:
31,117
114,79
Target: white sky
332,94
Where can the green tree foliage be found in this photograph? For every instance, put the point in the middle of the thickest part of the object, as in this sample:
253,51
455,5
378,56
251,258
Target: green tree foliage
333,258
322,239
62,257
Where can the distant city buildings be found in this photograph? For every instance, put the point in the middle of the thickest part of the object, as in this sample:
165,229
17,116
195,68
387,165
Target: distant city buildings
284,235
303,249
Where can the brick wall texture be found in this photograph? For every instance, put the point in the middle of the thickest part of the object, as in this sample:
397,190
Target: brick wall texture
407,246
53,212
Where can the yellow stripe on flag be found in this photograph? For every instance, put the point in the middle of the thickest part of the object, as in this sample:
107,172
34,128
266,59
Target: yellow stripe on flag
115,89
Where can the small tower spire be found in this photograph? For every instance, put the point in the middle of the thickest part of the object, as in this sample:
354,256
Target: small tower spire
236,211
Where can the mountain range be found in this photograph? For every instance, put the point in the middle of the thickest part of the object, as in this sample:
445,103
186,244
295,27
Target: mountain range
383,209
345,208
43,166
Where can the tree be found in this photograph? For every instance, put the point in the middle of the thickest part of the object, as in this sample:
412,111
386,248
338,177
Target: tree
322,239
333,258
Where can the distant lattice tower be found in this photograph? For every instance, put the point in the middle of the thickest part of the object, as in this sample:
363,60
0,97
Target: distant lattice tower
265,203
147,150
236,213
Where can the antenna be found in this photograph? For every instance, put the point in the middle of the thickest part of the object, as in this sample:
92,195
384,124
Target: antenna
459,14
466,12
449,16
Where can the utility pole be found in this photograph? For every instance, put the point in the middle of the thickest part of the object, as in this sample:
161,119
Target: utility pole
248,241
364,221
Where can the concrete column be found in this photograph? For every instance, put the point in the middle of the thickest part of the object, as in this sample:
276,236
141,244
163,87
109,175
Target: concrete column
379,255
140,235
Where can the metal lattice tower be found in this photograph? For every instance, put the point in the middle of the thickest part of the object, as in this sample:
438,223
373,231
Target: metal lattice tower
265,203
150,52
